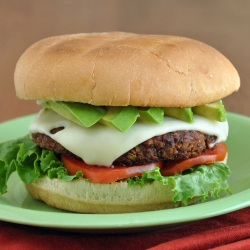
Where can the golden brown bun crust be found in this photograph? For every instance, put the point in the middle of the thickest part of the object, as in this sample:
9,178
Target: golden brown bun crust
86,197
123,68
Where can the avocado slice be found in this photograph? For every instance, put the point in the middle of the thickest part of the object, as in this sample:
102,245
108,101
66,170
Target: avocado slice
83,114
120,118
184,114
153,114
213,111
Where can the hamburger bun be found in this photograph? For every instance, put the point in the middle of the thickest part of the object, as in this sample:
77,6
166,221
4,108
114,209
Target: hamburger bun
86,197
121,69
82,196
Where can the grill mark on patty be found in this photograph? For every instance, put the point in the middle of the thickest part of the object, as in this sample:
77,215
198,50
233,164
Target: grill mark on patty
171,146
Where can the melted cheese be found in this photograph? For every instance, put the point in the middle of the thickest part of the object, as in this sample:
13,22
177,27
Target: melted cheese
101,145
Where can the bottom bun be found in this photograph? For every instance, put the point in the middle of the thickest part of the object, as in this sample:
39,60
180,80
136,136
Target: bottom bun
85,197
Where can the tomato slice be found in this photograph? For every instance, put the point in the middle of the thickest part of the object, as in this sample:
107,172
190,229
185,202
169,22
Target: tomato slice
103,174
217,153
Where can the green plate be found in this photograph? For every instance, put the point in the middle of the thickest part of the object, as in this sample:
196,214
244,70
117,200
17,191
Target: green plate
18,207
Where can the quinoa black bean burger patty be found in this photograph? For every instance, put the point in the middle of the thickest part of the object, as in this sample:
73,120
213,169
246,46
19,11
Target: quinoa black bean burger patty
128,122
172,146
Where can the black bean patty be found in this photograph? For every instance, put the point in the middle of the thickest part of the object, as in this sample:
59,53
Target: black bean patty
177,145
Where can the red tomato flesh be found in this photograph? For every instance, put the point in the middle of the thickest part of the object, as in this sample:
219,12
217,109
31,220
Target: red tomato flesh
103,174
217,153
106,174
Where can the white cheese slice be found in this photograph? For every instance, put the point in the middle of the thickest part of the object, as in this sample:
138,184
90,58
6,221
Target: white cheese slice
101,145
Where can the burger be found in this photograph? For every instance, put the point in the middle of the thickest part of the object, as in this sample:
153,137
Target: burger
128,122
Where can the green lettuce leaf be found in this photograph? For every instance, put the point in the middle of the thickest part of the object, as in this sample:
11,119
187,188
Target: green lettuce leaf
30,162
204,181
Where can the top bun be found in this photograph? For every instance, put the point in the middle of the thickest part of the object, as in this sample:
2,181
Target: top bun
122,69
